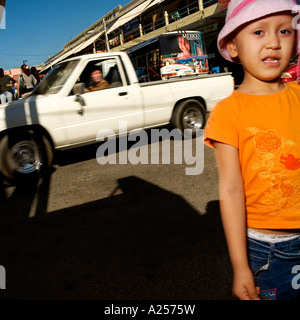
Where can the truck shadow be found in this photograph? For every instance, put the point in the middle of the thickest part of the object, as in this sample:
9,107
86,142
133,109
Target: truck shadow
84,153
142,243
23,200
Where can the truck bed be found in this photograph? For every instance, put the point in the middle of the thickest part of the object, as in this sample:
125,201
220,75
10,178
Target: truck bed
186,78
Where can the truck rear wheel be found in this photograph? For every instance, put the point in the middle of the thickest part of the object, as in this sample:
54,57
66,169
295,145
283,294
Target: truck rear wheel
25,155
189,114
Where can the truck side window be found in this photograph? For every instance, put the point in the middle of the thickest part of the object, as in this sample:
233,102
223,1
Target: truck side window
104,70
113,77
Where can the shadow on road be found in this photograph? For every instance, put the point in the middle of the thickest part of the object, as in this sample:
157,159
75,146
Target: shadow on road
143,243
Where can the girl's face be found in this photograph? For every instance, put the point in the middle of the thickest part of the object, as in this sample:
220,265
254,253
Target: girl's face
264,47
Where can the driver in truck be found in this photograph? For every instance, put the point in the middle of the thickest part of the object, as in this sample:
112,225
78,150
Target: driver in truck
96,81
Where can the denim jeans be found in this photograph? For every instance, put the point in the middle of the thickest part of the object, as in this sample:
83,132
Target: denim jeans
5,96
276,268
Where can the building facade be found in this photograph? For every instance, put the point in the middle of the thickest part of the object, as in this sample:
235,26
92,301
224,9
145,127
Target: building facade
140,20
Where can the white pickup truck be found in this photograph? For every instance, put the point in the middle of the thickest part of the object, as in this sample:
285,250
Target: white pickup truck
59,114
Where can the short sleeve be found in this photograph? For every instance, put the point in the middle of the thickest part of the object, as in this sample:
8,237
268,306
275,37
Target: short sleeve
223,124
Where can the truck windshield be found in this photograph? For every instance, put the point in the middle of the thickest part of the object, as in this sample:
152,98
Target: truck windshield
56,78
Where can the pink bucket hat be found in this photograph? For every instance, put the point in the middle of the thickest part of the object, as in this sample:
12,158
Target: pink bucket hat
240,12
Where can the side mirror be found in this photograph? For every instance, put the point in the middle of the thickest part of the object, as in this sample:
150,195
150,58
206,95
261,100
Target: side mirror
78,88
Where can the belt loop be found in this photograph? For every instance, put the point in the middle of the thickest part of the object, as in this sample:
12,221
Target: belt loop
272,249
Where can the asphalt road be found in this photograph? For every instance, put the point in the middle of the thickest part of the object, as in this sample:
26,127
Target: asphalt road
114,232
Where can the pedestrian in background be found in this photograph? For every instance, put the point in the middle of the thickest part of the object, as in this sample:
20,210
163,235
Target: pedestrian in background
35,73
5,89
256,136
26,81
14,89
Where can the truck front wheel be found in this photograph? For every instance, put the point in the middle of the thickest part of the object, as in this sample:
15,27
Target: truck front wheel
189,114
25,155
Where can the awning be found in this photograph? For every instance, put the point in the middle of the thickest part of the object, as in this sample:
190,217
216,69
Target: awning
139,46
60,58
133,13
88,42
76,49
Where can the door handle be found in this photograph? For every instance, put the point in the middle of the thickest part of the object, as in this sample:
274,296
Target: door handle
123,93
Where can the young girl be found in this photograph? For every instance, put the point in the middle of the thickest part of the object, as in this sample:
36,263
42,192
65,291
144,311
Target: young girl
256,136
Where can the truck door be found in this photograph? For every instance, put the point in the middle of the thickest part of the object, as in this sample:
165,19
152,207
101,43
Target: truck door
102,106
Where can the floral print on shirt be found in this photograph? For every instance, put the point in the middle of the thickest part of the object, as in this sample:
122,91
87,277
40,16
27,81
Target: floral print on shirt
274,161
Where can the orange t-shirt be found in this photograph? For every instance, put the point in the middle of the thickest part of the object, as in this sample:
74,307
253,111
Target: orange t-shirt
266,130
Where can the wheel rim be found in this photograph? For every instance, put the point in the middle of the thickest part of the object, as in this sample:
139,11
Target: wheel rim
193,118
25,157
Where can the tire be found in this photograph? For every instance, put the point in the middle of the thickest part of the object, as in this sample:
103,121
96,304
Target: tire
25,155
189,114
